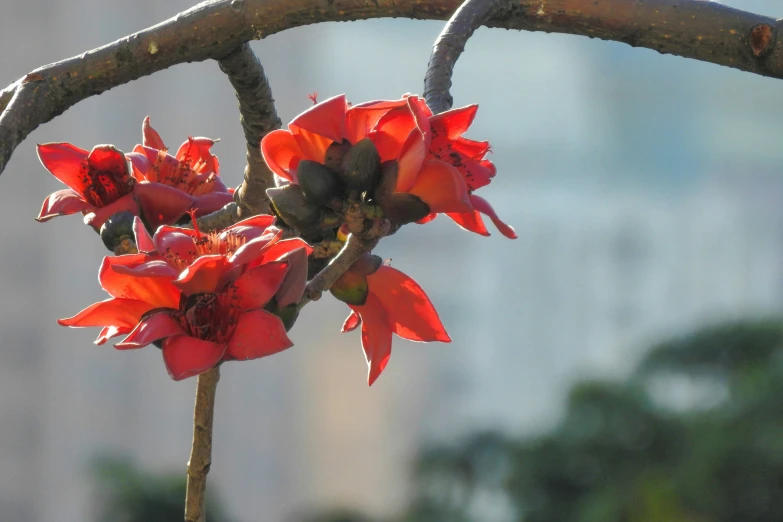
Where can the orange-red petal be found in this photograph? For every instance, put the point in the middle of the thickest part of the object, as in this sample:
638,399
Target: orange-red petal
187,356
453,123
62,203
256,287
257,334
376,337
157,291
470,221
202,275
351,322
66,162
152,328
150,137
483,206
161,204
325,119
408,309
441,187
282,153
120,313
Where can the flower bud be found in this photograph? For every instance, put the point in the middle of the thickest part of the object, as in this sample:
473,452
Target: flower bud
335,154
117,233
400,208
290,204
361,166
320,184
352,286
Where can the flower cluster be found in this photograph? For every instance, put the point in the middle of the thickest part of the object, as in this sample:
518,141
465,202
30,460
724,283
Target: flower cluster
207,297
412,163
232,294
149,182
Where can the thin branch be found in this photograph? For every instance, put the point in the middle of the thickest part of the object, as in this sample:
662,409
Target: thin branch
449,46
353,249
201,450
220,219
258,116
705,31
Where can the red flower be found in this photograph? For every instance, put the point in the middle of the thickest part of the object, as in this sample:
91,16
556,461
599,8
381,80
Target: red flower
434,162
200,262
101,183
207,328
193,170
394,303
199,325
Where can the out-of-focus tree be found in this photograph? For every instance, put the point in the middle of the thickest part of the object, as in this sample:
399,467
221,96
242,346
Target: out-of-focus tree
128,494
694,435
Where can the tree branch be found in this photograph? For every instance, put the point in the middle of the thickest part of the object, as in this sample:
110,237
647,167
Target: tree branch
353,249
447,49
201,450
705,31
258,116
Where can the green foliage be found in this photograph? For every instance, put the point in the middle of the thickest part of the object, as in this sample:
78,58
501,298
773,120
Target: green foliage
127,494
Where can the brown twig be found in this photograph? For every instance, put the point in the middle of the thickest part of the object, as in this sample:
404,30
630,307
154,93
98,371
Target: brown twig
201,451
706,31
353,249
225,217
258,116
449,46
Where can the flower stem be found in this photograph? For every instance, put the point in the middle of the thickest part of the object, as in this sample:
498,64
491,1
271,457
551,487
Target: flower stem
201,451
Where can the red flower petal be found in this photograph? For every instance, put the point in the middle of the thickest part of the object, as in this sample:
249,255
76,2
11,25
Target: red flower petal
410,161
376,336
98,216
196,154
66,162
258,334
282,153
351,322
485,208
256,287
441,187
161,204
151,328
211,202
179,243
107,332
187,356
408,309
203,275
157,291
453,123
62,203
141,164
427,218
360,119
253,249
312,145
120,313
470,221
293,285
326,119
143,240
150,137
392,131
155,267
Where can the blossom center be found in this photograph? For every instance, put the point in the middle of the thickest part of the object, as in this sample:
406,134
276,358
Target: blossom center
105,185
209,316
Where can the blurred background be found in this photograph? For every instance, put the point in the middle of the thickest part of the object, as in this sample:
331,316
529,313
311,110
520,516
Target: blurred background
647,192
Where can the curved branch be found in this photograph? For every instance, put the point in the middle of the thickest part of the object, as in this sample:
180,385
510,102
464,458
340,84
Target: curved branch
696,29
447,49
353,249
258,116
